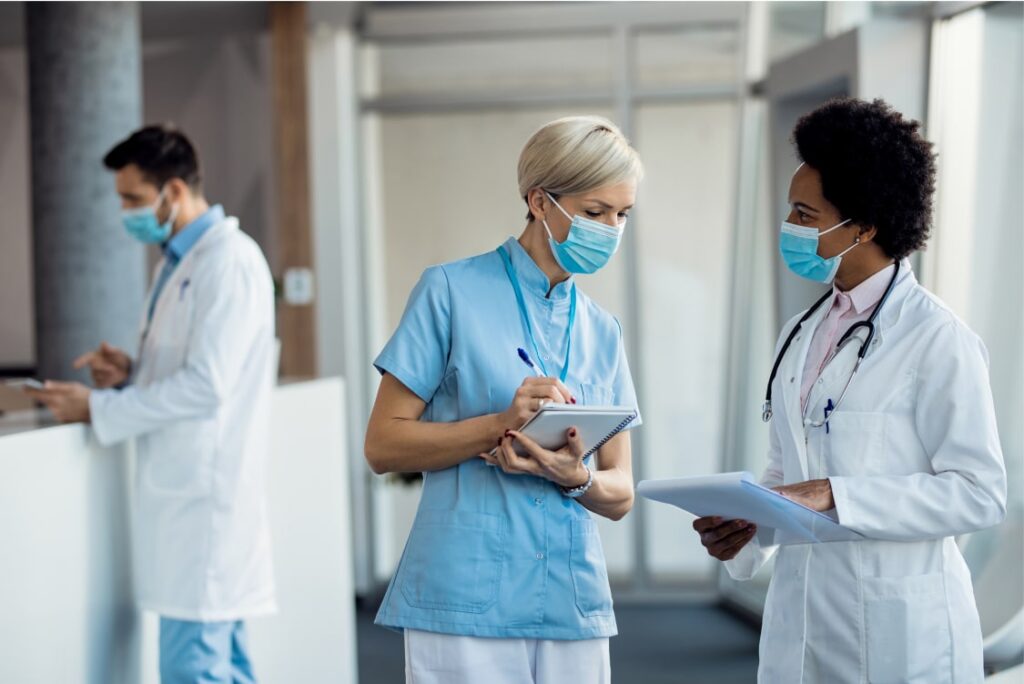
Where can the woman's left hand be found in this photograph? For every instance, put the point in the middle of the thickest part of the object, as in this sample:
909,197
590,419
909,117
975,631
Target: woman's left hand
563,467
815,494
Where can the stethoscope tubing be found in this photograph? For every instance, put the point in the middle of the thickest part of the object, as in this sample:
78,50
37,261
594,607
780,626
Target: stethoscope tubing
766,411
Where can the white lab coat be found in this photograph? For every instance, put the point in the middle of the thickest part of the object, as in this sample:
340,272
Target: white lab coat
914,459
199,408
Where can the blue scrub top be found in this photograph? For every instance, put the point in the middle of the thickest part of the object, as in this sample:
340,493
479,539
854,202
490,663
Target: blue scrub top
490,554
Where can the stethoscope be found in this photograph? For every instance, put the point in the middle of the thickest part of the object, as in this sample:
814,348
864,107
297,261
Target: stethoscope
766,412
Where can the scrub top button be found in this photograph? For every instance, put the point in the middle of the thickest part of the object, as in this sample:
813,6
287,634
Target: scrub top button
538,501
540,556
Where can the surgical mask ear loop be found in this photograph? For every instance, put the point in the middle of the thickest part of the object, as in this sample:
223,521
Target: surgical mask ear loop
835,227
174,209
545,222
856,242
555,202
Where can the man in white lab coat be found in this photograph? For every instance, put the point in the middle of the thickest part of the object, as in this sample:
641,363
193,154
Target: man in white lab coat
197,401
906,452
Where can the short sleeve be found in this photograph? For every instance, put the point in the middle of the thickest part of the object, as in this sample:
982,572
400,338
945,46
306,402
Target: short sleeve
417,353
622,386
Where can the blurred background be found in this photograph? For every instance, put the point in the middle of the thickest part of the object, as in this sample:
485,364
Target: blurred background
359,143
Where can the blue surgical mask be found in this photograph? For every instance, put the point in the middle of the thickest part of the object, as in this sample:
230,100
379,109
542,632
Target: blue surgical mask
589,246
799,247
143,225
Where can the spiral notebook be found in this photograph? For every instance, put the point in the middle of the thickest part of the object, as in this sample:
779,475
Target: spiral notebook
596,425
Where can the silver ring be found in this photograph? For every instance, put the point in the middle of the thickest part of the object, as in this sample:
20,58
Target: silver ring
541,403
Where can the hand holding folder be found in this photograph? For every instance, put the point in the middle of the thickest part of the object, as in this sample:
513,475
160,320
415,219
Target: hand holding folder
733,496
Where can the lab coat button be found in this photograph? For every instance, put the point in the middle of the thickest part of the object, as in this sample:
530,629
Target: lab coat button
538,501
540,556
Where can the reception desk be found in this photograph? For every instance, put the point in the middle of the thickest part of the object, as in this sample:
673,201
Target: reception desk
66,608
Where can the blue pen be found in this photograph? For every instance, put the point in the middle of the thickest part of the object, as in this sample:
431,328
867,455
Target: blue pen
529,362
829,408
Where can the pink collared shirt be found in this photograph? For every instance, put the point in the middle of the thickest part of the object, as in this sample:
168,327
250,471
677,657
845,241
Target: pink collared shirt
847,308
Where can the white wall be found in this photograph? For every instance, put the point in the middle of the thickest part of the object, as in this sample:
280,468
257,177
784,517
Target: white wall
68,614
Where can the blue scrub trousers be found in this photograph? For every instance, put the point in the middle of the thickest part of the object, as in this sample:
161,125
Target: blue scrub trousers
204,653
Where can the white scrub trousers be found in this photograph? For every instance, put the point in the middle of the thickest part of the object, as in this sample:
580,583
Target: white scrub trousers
432,658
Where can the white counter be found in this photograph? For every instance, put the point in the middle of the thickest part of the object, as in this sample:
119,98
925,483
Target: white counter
66,609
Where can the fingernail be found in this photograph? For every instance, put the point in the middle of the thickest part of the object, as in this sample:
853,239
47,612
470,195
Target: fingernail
572,399
508,433
572,433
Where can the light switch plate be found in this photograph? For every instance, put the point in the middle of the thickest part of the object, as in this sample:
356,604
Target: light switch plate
298,286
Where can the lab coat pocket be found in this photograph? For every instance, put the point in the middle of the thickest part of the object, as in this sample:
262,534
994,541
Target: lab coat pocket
589,574
177,460
907,629
596,395
454,560
854,443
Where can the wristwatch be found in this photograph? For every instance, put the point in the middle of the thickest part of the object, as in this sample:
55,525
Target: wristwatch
577,492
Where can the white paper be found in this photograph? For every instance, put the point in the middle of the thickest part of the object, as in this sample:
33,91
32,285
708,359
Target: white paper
738,496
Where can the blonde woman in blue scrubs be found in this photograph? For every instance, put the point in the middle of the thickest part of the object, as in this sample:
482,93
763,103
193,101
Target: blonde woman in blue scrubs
503,577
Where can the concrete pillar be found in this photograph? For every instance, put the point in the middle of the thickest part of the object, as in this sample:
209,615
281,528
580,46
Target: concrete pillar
85,94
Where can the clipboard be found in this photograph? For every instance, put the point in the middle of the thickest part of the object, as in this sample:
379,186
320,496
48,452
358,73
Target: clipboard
733,496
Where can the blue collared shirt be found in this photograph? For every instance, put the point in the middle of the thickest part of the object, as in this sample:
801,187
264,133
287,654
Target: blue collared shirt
179,245
490,554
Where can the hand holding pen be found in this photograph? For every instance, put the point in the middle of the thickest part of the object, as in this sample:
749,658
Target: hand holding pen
531,396
542,389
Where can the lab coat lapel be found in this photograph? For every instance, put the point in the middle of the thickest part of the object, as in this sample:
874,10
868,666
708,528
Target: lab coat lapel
839,369
834,376
164,309
144,315
791,376
890,313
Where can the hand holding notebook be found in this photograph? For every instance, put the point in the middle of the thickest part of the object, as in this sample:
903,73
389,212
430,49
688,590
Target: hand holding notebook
596,425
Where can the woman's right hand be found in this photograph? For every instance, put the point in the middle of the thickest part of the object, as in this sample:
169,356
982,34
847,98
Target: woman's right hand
724,538
530,397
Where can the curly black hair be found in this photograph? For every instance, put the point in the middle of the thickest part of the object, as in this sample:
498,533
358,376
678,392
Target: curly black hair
875,167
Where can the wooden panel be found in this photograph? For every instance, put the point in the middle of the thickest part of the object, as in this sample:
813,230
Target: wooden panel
296,324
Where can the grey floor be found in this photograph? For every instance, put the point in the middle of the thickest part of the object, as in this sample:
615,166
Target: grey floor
679,644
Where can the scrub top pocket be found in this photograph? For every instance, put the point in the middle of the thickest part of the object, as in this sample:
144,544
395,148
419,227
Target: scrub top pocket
454,560
596,395
589,575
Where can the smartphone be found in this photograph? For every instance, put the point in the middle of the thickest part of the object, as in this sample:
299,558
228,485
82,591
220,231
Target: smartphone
19,383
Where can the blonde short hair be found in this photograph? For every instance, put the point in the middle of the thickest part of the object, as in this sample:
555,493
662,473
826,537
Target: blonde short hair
574,155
